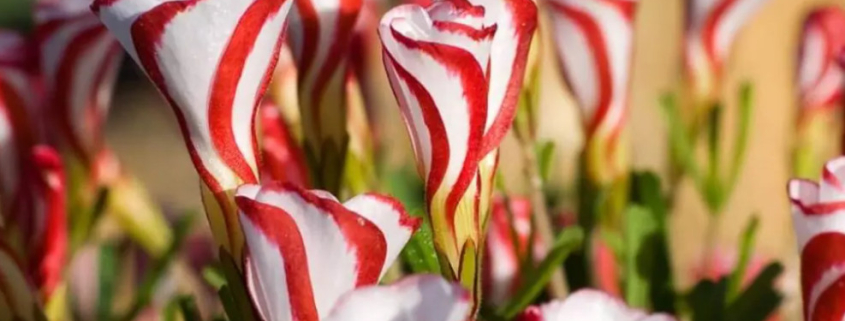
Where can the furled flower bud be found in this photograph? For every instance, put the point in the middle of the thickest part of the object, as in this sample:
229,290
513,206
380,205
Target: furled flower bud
594,41
320,33
214,80
711,28
820,83
456,75
79,62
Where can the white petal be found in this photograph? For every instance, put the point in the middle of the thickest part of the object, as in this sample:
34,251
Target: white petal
390,217
307,244
416,298
592,305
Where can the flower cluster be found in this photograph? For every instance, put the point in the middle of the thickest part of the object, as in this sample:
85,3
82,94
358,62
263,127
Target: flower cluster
277,103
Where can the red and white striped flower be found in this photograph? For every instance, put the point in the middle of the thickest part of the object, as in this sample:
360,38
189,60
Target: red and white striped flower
589,305
595,42
79,61
50,251
507,245
457,81
306,251
820,77
516,21
282,158
818,216
320,34
436,60
18,72
31,176
214,80
711,27
18,106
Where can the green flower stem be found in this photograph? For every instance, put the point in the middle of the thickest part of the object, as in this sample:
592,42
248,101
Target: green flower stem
543,224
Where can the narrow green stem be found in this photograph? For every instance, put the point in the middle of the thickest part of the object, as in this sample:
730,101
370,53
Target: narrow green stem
711,234
541,219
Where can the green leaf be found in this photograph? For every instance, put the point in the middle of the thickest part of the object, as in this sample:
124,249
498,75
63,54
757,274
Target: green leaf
172,311
214,276
745,248
228,302
707,300
189,308
713,189
760,299
419,252
567,241
86,218
107,272
545,151
680,144
405,185
641,232
237,289
746,105
646,191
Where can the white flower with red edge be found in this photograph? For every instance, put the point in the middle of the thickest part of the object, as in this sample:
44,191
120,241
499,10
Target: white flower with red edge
589,305
820,77
79,60
32,176
214,80
818,216
18,123
711,28
320,34
595,43
437,60
310,258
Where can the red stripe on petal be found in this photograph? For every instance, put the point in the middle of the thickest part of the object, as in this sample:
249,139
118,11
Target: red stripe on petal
53,256
63,93
475,86
225,86
280,228
362,235
818,208
524,18
830,178
406,220
710,28
96,114
347,16
437,131
596,41
820,254
465,9
283,158
462,29
831,304
146,35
